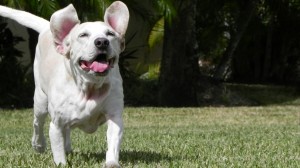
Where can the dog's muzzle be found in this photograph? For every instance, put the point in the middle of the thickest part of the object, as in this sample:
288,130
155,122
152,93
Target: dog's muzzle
101,64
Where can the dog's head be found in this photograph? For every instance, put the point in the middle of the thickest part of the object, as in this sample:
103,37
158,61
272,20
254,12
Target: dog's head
92,47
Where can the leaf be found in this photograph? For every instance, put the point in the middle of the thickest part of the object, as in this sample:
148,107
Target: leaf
167,8
47,7
157,33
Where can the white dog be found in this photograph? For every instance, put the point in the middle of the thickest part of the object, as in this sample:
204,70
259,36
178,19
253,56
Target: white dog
77,77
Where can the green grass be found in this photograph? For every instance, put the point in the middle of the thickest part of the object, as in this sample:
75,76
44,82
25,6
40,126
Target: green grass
171,137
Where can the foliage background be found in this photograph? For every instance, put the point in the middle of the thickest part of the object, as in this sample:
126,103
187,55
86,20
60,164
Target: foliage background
249,42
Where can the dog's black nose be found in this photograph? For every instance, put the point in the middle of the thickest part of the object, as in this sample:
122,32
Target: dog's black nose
101,43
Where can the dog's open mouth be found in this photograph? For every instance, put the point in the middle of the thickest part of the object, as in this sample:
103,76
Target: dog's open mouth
100,65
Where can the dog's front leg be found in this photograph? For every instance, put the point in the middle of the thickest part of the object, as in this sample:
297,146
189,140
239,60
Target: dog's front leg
57,140
114,138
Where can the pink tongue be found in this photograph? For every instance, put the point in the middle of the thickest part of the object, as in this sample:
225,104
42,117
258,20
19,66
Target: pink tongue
96,66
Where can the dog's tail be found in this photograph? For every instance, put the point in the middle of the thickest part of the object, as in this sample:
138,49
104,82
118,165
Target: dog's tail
24,18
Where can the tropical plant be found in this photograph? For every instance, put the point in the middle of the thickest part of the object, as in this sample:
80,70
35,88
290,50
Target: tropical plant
16,78
262,44
245,41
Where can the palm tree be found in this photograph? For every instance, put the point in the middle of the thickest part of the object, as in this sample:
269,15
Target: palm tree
179,67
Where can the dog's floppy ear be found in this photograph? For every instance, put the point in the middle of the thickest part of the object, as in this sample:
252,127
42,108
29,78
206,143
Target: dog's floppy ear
117,16
61,23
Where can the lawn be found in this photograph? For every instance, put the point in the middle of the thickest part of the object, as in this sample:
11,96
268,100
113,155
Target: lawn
243,137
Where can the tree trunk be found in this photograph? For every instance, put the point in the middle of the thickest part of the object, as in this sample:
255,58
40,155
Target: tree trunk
224,69
179,66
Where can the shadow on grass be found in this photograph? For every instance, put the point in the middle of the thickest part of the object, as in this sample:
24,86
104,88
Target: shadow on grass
125,156
142,156
267,94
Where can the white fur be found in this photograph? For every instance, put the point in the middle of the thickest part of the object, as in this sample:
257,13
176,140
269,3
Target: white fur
25,18
76,98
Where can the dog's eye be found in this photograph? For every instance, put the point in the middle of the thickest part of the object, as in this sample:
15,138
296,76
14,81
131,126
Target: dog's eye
110,33
83,35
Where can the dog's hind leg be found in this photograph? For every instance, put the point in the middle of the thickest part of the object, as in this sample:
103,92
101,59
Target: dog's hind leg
68,147
40,114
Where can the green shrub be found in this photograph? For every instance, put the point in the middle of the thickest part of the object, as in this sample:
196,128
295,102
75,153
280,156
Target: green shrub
16,86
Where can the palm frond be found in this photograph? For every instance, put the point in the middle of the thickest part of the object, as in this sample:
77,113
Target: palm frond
19,4
157,33
47,7
167,8
88,10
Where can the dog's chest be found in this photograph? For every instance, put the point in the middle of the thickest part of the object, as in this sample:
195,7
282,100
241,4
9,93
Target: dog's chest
89,118
85,111
87,115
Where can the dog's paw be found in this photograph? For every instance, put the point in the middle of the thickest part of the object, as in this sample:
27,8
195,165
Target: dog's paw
111,164
39,143
40,148
68,149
